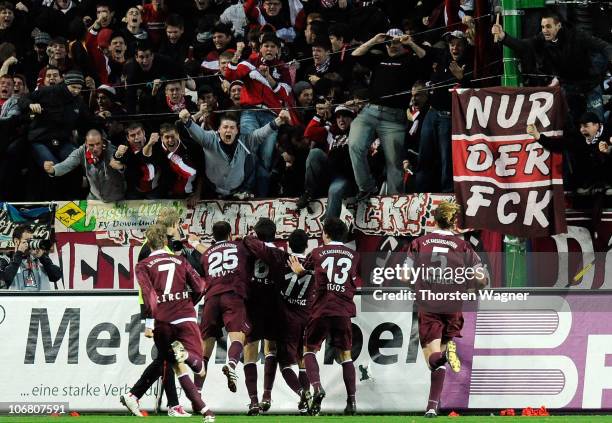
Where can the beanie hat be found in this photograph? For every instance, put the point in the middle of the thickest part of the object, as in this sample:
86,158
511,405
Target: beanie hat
300,86
74,77
42,38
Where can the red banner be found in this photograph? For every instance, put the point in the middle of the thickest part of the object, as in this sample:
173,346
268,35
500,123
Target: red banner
505,180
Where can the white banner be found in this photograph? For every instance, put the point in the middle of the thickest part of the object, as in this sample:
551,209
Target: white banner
87,350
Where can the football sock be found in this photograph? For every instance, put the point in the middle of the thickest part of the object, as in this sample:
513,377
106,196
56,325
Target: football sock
435,390
291,379
312,370
194,362
348,374
199,380
191,392
436,360
148,377
234,353
169,384
250,379
269,375
304,381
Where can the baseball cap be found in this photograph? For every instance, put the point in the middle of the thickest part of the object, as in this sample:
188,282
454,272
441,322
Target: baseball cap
394,32
343,110
453,34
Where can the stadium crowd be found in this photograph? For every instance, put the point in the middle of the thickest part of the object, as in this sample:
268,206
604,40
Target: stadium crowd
201,99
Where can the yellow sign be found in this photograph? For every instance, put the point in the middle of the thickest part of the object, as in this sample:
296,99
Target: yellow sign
69,214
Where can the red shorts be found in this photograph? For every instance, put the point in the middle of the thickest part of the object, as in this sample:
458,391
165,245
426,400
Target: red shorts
443,326
291,337
224,310
338,328
264,320
188,333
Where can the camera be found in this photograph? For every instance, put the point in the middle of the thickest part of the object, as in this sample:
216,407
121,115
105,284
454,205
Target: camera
39,244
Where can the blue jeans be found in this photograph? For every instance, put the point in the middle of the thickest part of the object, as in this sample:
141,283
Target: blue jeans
42,153
320,179
259,164
435,146
390,125
580,101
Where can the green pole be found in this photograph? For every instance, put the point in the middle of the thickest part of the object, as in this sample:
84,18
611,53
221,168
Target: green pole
515,258
512,26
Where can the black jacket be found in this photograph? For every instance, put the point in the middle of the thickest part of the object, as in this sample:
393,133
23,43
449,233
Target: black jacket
569,58
61,113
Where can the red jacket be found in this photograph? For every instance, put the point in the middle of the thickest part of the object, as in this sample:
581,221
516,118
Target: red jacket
258,92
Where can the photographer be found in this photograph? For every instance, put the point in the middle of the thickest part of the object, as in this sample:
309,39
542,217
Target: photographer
29,268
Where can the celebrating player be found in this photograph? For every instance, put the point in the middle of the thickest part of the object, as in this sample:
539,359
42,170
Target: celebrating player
169,218
335,271
225,266
442,253
170,289
262,306
293,308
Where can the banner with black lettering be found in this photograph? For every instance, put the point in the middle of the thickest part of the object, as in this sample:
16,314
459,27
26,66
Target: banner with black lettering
86,350
504,179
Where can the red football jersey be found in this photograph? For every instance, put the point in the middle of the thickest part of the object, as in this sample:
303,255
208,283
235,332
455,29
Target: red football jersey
441,261
226,266
261,289
170,286
295,292
336,272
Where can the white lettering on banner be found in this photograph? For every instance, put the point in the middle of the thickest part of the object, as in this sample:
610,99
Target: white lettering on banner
504,218
538,109
597,376
482,112
503,109
516,383
477,200
535,158
505,159
474,162
532,209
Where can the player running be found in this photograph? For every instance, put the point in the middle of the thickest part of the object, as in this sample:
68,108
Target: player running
225,265
442,253
170,289
335,271
169,218
292,311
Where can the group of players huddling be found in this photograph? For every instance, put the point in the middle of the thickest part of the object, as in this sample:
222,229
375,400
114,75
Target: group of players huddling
290,301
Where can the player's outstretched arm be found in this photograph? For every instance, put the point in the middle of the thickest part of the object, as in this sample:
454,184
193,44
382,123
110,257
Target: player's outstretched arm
296,266
195,282
197,245
260,249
